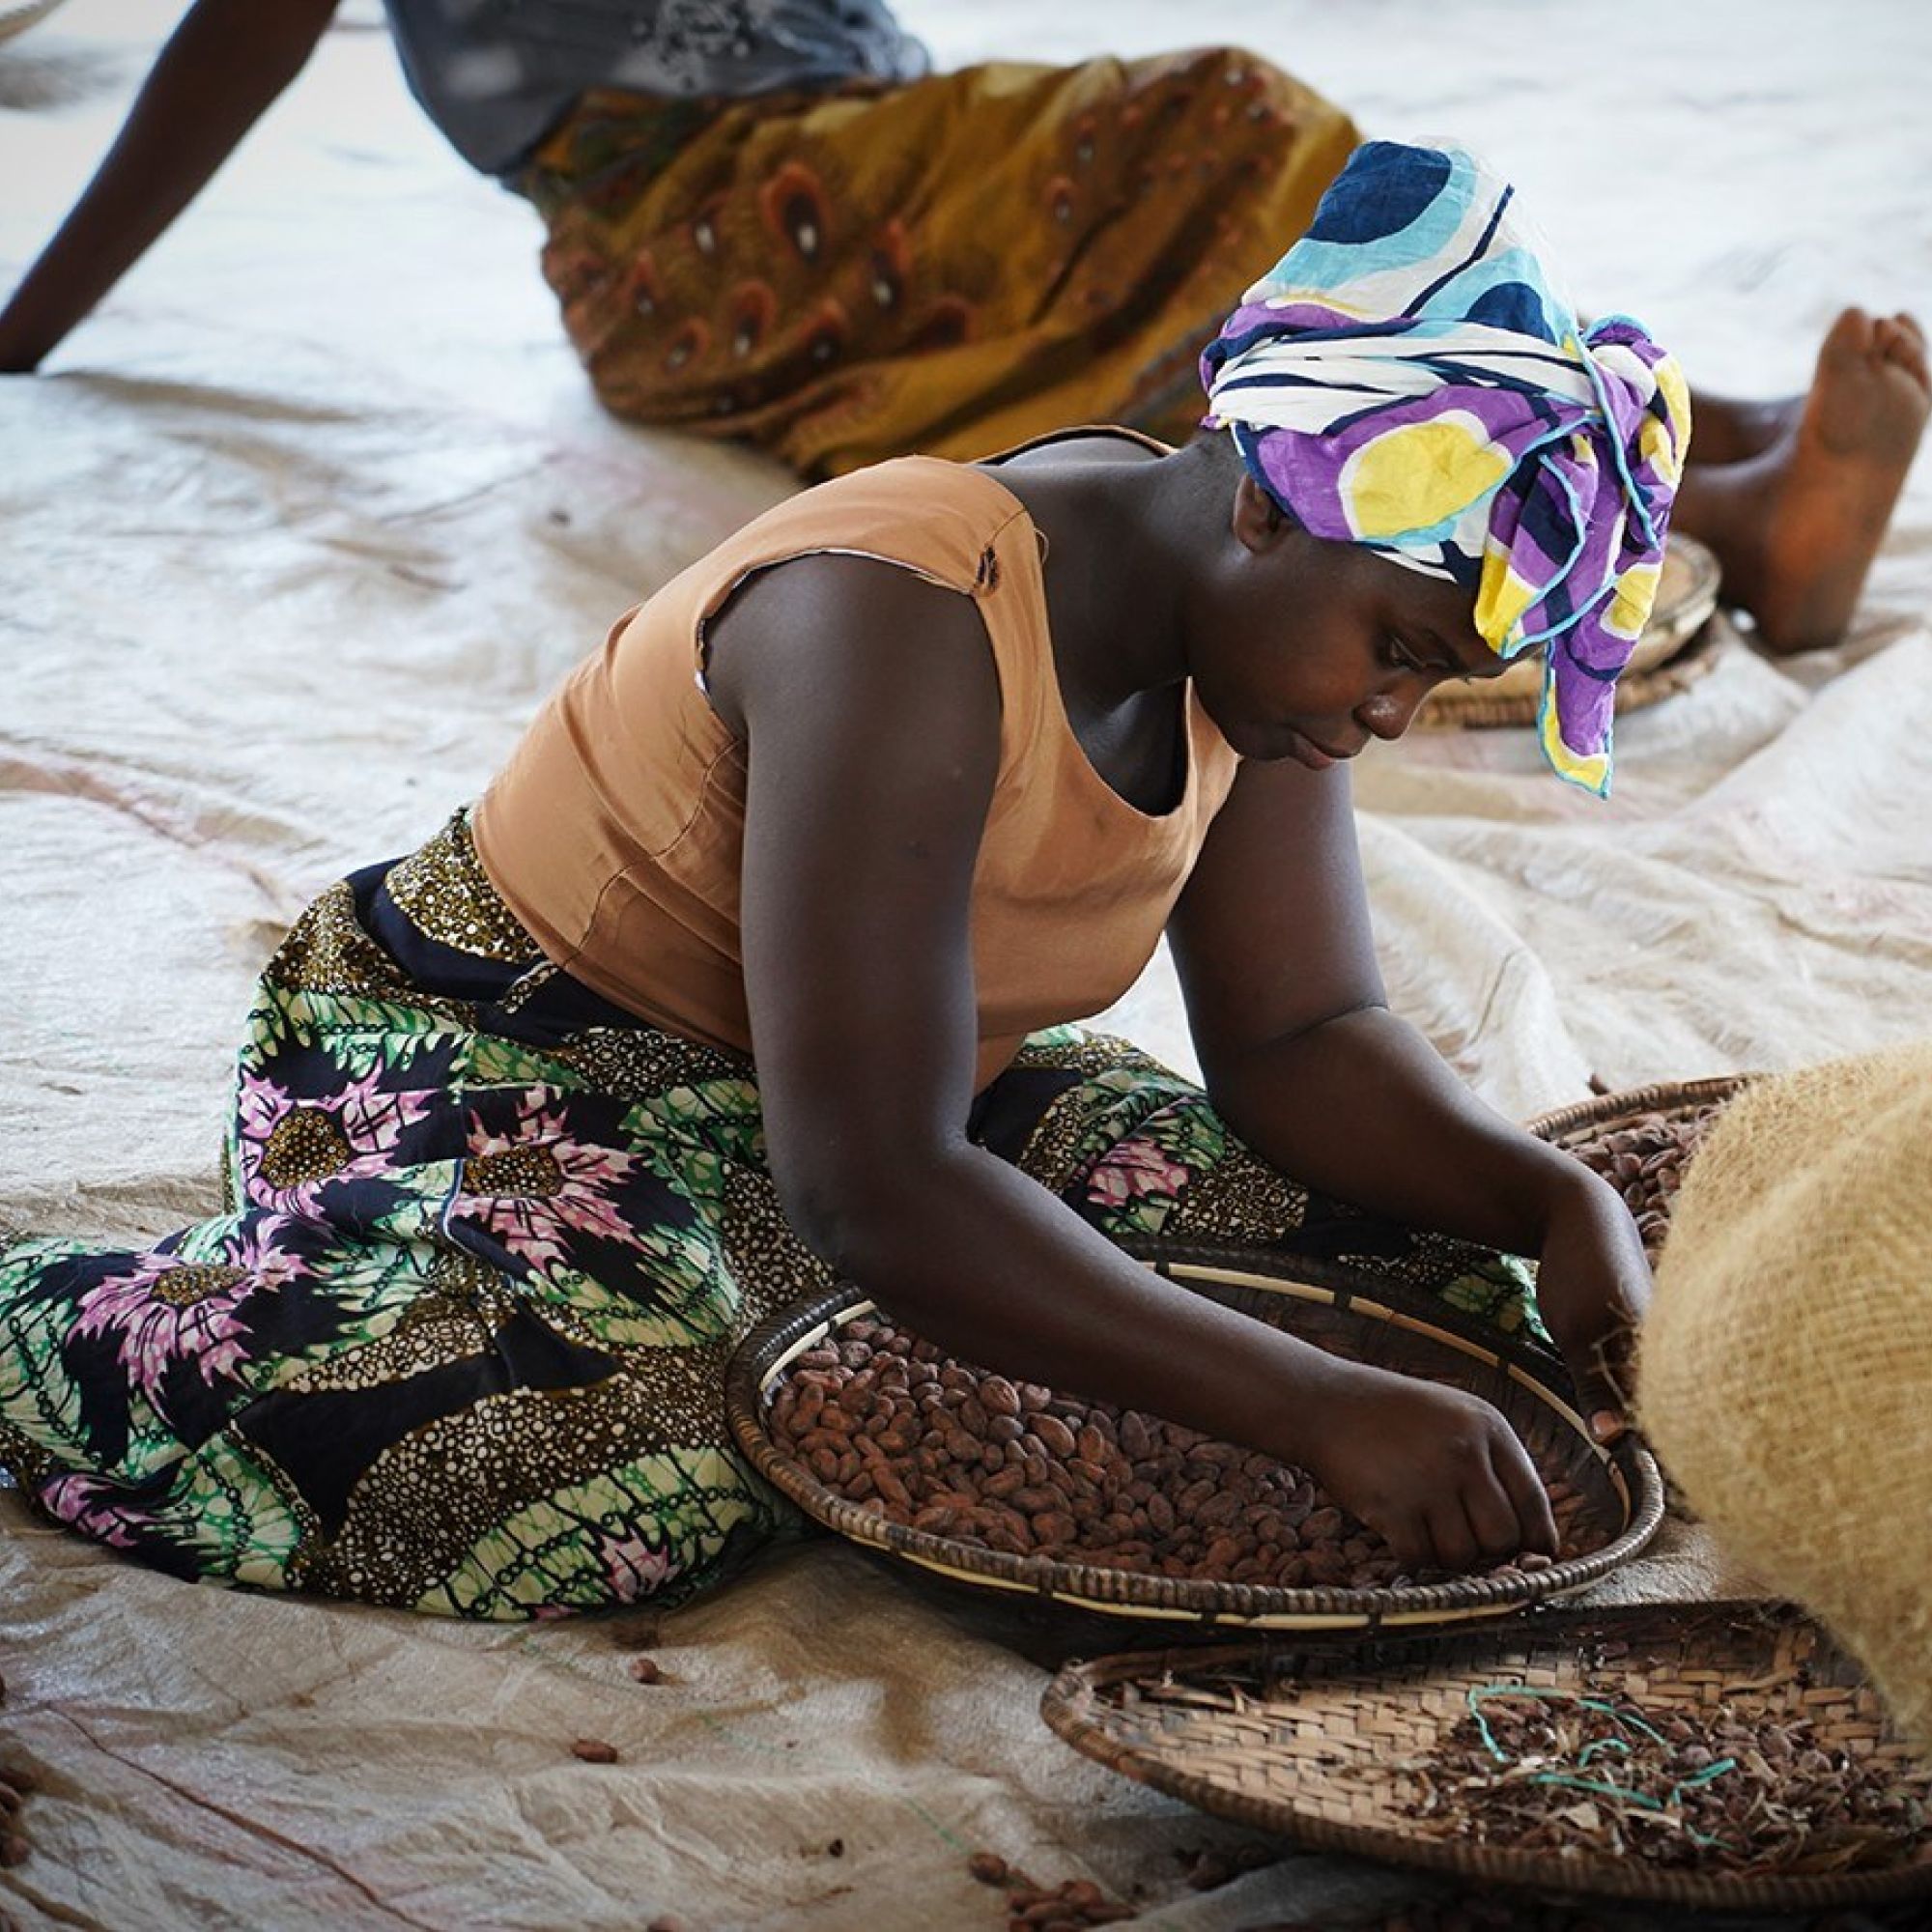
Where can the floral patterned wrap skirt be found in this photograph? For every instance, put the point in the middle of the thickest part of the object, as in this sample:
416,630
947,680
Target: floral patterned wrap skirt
459,1342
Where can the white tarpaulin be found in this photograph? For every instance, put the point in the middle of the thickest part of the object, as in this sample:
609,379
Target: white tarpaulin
297,532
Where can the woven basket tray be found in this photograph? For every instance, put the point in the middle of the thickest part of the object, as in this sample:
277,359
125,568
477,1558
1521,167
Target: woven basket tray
1354,1313
1673,653
1310,1741
1586,1119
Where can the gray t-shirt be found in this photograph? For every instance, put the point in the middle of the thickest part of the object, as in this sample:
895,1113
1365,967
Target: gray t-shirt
496,75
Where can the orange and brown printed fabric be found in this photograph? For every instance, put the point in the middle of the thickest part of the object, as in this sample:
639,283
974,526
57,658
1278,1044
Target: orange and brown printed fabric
948,266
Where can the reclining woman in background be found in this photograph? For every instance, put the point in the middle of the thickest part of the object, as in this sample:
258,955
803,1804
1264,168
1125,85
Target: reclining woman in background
768,222
734,979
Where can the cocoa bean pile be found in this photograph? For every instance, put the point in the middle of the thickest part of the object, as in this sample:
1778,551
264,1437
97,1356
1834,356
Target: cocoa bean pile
888,1422
1723,1794
1644,1160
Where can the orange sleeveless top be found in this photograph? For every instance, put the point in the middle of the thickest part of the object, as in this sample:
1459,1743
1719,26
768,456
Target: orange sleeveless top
616,831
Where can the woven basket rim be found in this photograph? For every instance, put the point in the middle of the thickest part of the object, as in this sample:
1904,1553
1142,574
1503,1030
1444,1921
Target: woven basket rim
1069,1704
1663,1097
1133,1596
1680,635
1635,691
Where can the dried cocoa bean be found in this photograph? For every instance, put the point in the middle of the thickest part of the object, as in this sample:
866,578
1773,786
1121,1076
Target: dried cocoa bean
1088,1484
999,1396
1194,1497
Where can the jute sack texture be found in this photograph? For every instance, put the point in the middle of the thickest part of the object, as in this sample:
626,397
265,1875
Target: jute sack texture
1786,1367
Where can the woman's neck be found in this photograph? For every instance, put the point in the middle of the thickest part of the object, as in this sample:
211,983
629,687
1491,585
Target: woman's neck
1125,543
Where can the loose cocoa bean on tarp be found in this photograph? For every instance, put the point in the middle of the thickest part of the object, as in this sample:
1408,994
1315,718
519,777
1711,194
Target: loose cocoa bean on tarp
1644,1159
885,1420
1071,1906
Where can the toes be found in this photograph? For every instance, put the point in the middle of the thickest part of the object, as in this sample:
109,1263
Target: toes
1900,340
1849,337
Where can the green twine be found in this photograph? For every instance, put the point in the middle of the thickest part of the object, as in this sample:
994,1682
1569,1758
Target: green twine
1480,1695
1589,1751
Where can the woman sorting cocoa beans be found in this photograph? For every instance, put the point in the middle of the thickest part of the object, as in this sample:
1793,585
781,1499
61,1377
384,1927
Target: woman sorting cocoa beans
762,959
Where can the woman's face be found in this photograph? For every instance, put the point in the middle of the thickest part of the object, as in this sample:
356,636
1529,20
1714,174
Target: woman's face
1309,648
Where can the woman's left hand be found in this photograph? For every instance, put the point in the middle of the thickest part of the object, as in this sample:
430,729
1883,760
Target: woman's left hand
1593,1287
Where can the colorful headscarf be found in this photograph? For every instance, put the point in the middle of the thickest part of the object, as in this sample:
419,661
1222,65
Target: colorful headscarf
1406,378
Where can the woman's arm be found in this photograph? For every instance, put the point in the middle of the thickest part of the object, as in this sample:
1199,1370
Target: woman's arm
225,63
872,713
1306,1062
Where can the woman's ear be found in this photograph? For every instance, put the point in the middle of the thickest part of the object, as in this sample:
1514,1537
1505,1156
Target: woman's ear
1257,521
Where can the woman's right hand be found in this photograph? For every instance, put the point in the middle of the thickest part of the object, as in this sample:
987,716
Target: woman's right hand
1434,1471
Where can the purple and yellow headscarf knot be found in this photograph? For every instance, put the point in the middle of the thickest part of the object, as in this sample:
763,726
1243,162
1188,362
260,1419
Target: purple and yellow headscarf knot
1406,378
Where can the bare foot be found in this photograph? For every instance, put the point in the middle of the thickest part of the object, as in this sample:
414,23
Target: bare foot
1796,526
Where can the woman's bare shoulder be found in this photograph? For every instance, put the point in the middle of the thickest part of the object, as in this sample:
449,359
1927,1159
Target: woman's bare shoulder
832,623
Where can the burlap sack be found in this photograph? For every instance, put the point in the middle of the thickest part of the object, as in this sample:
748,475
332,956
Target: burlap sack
1786,1367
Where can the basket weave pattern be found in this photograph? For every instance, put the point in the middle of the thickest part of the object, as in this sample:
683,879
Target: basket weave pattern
1309,1742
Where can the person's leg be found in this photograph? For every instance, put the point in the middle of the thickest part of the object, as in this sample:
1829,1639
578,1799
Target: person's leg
459,1344
1795,500
950,266
1139,1151
1729,429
